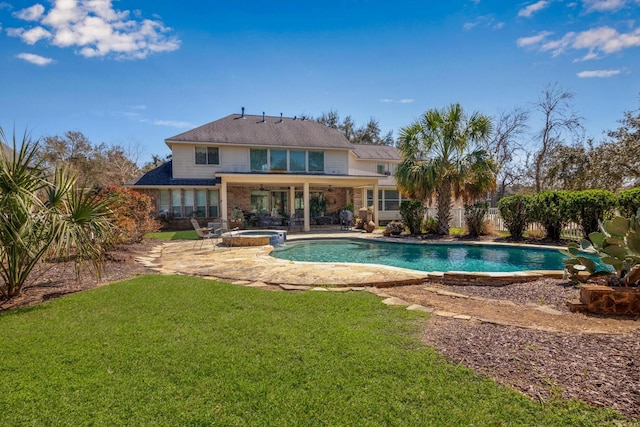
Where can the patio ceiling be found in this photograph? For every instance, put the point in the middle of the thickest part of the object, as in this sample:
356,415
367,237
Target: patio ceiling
298,180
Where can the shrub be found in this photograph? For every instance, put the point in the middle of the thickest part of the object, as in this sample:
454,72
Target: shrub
589,207
514,210
430,225
474,217
132,214
550,209
629,202
412,212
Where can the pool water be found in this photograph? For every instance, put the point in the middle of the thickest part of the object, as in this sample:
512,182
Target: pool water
424,257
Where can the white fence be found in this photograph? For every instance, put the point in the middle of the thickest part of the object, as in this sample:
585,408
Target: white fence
570,231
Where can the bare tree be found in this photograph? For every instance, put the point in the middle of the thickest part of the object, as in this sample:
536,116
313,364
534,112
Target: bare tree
559,118
120,164
506,148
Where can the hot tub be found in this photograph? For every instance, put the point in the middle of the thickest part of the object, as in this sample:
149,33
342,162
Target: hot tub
254,237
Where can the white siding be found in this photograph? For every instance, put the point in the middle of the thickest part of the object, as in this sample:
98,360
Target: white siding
232,159
336,162
236,159
184,163
358,166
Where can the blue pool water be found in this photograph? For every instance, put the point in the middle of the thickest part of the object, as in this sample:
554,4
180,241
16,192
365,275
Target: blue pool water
424,257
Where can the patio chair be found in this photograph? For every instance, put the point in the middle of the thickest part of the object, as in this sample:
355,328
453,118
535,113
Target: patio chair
295,220
204,234
219,227
265,221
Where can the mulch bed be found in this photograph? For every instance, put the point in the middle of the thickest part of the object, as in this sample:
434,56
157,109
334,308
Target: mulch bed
600,369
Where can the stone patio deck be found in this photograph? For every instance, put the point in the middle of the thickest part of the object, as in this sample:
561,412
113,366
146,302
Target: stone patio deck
254,264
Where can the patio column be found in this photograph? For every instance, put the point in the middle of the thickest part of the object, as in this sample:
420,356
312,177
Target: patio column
305,198
375,205
223,200
292,200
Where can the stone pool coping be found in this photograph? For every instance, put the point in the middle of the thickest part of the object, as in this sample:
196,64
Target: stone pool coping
255,264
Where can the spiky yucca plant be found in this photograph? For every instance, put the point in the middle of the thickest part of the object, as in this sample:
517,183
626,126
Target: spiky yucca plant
44,216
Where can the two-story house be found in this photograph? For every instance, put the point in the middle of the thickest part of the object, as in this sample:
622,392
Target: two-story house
272,165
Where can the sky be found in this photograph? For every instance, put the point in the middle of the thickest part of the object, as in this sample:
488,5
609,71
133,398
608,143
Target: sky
136,72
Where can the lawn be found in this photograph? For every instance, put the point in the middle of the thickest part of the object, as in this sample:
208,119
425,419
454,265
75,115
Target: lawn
172,235
176,350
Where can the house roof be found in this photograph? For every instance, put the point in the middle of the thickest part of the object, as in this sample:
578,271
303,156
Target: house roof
247,129
8,152
163,176
375,152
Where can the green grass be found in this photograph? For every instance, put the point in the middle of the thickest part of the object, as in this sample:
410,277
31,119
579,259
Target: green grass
175,350
173,235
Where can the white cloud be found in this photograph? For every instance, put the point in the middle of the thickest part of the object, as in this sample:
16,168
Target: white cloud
95,29
35,59
469,25
33,35
597,41
399,101
33,13
528,11
604,5
533,40
169,123
488,21
598,73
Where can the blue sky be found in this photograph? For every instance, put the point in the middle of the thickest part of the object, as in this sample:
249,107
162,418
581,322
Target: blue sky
136,72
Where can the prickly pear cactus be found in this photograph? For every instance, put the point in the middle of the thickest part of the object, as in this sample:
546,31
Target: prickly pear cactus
617,245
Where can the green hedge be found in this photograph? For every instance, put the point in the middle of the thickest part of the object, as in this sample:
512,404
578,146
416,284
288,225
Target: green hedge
554,209
629,202
514,210
589,207
551,210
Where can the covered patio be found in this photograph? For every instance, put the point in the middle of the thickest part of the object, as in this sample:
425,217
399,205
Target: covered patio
292,195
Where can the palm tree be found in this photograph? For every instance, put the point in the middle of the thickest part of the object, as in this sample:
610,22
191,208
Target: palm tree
45,216
441,157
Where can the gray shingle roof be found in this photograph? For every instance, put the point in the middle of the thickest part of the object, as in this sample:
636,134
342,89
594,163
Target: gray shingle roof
375,152
163,175
274,131
8,152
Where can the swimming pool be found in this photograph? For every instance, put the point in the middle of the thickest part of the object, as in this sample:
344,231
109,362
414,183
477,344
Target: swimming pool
424,257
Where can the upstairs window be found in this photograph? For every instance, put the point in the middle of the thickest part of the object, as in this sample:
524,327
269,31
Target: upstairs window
278,160
258,159
316,161
207,156
297,161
